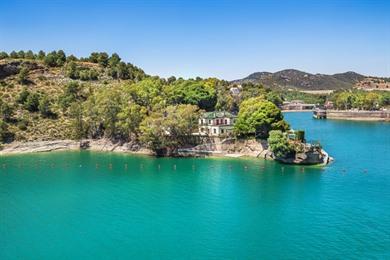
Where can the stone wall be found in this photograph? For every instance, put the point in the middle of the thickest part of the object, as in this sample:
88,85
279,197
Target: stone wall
358,115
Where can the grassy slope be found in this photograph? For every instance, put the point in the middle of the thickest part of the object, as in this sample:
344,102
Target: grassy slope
46,80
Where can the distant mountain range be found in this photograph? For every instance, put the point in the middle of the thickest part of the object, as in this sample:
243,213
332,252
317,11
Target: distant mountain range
300,80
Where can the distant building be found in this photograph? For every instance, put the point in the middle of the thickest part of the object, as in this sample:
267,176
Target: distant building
235,91
329,105
216,123
297,105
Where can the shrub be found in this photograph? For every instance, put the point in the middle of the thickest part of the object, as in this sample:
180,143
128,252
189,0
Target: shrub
22,76
279,144
32,102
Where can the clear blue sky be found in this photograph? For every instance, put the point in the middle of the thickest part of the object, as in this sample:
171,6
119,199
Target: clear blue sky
225,39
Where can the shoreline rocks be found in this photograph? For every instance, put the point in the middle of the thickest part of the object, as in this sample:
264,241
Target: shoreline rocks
218,147
103,145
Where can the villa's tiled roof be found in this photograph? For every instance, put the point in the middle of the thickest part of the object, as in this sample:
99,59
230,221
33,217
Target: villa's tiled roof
217,114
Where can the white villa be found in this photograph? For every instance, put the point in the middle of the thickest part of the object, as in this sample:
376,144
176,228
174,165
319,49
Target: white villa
216,123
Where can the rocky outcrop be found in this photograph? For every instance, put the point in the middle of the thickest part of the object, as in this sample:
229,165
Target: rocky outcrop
310,157
39,146
13,68
231,147
215,147
9,69
63,145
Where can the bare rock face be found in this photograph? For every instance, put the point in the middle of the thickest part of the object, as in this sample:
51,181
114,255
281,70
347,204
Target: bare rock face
307,158
39,146
9,69
84,144
12,68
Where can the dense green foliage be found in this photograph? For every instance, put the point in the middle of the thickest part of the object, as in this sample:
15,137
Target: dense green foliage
169,128
22,76
279,144
257,117
6,111
305,97
363,100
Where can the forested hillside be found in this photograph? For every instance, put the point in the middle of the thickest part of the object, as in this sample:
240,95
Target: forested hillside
300,80
55,96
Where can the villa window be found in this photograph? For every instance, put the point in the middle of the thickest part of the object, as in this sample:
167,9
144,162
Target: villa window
209,122
221,131
225,121
215,131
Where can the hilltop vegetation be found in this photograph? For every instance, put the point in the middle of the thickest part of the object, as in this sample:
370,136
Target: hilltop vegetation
300,80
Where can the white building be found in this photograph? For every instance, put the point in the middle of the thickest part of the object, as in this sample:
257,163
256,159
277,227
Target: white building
216,123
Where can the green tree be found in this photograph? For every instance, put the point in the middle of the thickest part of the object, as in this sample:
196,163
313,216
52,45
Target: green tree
372,101
76,115
30,55
70,95
225,102
103,59
344,100
23,76
250,90
93,124
201,93
114,60
23,95
32,102
147,92
6,110
13,55
108,103
274,98
51,59
44,106
94,57
120,71
257,117
71,58
60,58
171,79
3,55
4,133
279,144
170,128
71,70
21,54
41,55
129,118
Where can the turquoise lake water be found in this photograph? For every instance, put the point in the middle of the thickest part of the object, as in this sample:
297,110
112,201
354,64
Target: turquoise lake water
82,205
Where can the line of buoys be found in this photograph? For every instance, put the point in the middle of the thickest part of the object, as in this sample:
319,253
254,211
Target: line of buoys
125,166
174,167
159,167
